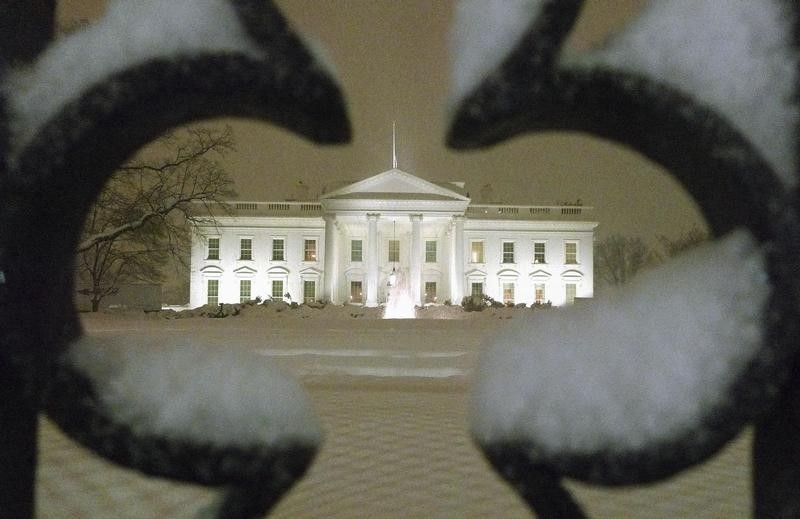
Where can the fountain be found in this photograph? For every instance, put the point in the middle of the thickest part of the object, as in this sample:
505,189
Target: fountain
399,304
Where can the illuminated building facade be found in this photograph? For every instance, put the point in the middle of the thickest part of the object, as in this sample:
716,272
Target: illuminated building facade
343,247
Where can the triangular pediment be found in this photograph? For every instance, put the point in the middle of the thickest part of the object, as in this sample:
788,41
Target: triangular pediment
475,273
310,272
394,184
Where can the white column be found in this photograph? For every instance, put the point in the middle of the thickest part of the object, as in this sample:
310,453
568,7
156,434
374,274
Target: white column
457,264
416,259
372,259
330,265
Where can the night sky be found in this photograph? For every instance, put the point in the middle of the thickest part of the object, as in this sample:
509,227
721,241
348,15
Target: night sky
393,64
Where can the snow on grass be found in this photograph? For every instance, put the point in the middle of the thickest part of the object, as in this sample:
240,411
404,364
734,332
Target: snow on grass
390,354
642,365
483,33
131,33
185,389
734,56
383,371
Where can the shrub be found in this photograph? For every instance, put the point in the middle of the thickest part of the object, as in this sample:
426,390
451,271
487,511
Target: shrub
473,303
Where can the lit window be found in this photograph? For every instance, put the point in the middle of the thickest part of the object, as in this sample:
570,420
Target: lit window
246,249
356,295
539,293
571,253
508,252
538,252
213,292
394,250
277,249
277,288
213,248
572,290
244,290
309,291
508,293
356,250
310,250
430,251
430,291
477,289
476,252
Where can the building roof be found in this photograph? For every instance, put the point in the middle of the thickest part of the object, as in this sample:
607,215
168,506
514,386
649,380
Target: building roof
396,191
396,184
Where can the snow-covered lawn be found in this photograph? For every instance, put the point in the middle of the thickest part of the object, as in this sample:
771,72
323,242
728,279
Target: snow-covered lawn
336,340
395,446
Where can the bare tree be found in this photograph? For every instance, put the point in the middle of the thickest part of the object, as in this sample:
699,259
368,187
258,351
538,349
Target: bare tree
685,241
138,222
618,258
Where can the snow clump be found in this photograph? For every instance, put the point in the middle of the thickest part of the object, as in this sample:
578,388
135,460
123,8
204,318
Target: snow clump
642,365
183,389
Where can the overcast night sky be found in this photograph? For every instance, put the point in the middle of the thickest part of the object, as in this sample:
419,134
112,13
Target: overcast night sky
393,64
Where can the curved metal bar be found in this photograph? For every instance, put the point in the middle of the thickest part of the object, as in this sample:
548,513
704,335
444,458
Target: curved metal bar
728,178
255,476
44,198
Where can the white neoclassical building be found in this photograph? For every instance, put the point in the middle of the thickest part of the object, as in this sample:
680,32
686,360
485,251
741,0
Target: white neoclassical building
344,246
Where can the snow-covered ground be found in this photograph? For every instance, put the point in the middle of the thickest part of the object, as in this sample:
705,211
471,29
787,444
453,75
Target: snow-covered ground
395,446
334,341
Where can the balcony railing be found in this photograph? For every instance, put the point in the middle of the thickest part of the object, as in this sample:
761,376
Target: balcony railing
269,208
526,212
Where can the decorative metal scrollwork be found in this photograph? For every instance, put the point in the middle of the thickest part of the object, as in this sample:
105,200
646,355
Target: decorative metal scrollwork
633,91
70,119
55,157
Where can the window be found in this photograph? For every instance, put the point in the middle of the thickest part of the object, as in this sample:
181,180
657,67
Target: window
310,250
309,291
476,289
394,250
476,251
538,252
538,293
244,290
213,248
213,292
571,253
508,252
246,249
572,289
356,250
430,291
356,294
277,289
277,249
430,251
508,293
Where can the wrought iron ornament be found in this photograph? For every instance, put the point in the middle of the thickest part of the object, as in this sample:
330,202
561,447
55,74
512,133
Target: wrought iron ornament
66,160
46,187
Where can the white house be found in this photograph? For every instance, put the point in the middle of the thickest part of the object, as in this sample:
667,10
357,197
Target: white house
344,246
